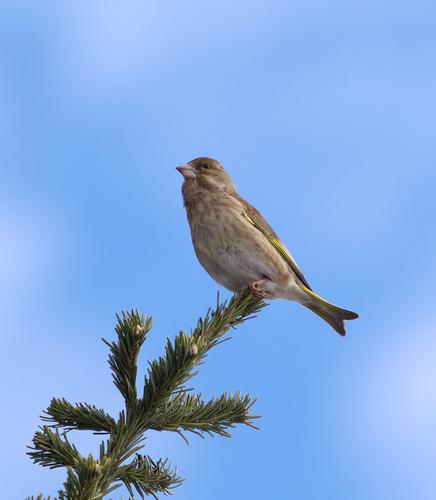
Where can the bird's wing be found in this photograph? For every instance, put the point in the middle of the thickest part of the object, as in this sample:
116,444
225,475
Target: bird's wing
255,218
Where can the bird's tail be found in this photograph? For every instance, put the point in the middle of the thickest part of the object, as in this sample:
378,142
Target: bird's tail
335,316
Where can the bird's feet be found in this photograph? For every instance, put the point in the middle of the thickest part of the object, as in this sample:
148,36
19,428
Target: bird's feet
257,289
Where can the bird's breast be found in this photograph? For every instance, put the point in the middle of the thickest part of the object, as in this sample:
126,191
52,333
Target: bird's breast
231,250
214,222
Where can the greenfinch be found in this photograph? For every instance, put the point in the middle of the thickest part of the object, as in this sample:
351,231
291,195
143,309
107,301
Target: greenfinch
237,246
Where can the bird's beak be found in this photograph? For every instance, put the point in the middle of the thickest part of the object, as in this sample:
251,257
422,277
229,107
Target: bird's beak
187,171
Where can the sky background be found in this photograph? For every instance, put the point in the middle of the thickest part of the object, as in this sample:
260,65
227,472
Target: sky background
324,113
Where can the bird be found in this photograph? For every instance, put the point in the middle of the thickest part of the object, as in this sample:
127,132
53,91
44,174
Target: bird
239,249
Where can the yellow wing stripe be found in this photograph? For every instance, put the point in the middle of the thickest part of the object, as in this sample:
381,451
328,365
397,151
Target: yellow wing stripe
315,295
280,247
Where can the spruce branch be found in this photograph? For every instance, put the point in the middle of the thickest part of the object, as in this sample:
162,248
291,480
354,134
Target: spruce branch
190,413
132,329
50,449
165,405
170,372
148,477
87,481
80,416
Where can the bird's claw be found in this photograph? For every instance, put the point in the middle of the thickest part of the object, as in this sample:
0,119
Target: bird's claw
257,289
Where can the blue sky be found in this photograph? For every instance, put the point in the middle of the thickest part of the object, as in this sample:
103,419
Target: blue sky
325,115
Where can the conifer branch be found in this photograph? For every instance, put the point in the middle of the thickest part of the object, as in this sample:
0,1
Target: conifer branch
165,405
149,478
170,372
190,413
132,329
50,449
86,481
81,416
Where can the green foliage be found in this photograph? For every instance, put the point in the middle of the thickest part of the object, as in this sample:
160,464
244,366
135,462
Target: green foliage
165,405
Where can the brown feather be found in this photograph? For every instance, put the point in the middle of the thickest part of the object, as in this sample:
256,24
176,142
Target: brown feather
270,234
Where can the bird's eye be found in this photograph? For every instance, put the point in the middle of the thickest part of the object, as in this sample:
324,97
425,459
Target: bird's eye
205,166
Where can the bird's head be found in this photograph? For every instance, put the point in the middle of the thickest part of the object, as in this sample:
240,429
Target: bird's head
206,174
